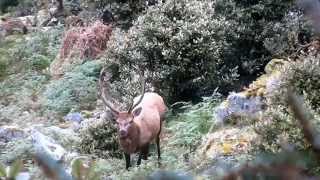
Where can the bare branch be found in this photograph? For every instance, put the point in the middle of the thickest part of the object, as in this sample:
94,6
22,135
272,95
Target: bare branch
301,115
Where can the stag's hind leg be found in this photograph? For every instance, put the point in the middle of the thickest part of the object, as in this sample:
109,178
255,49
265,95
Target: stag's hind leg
158,139
158,147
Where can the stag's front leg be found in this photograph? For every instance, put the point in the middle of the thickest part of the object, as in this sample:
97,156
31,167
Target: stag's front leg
127,157
143,154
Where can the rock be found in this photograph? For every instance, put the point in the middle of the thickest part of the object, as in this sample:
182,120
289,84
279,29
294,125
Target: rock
43,17
46,145
28,20
239,105
74,117
273,83
23,176
49,164
65,137
228,141
9,133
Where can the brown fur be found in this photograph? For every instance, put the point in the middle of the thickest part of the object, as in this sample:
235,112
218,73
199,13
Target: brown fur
130,143
145,128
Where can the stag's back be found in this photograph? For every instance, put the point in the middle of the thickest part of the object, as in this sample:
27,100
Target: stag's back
153,110
153,101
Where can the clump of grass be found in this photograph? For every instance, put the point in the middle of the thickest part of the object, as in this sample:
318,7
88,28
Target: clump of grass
190,125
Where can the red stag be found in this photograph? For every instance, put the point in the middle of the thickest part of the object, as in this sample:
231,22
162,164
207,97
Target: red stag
140,125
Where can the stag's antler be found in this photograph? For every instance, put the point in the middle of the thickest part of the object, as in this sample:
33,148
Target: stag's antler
103,79
143,88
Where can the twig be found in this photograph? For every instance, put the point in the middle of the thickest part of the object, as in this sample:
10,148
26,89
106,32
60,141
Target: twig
301,115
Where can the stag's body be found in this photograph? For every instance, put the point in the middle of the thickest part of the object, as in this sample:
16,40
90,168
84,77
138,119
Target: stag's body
140,125
145,128
149,120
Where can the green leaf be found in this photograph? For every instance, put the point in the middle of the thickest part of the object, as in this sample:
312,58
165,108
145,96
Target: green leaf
2,170
15,169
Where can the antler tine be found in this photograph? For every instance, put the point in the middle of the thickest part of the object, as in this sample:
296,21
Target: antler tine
102,93
143,88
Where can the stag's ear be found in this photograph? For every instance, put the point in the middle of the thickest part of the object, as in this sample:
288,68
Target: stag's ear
137,112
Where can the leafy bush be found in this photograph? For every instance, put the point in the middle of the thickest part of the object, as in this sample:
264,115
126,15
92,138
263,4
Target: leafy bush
100,139
279,125
4,4
3,67
26,51
75,90
123,11
39,62
189,47
279,129
20,93
304,77
17,7
178,43
260,30
301,76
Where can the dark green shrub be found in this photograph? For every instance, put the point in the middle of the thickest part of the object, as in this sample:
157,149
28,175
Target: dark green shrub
3,67
278,129
37,47
100,139
4,4
190,47
260,30
124,11
303,76
75,90
279,126
178,43
39,62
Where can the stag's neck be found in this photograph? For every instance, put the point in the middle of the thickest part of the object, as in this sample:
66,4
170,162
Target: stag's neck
130,144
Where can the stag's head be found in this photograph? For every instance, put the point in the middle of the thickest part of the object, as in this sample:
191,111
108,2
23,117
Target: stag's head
123,119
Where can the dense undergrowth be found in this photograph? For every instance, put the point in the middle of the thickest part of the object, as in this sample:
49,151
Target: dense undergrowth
182,134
